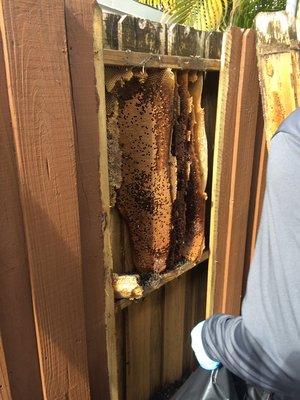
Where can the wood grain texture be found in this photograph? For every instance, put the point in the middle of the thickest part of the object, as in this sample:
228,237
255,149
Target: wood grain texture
156,340
222,165
79,26
20,356
242,161
256,192
138,351
41,109
109,315
191,300
229,221
142,59
174,307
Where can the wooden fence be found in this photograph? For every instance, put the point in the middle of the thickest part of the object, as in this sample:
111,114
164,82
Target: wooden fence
153,345
62,333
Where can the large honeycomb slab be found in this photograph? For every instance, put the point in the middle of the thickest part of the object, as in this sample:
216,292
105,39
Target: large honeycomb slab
144,198
189,147
158,163
194,242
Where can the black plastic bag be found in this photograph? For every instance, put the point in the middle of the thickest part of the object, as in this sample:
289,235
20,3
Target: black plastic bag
219,384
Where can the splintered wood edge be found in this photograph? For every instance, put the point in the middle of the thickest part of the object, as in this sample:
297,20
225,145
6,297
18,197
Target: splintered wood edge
149,60
162,280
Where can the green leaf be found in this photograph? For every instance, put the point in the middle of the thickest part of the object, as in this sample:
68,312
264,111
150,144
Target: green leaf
209,15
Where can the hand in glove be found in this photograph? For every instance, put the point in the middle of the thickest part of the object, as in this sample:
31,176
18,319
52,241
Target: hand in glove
197,346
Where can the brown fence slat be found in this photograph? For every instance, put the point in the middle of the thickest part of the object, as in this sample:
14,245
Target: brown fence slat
190,315
174,307
222,167
233,173
40,102
16,313
138,351
242,161
79,25
256,192
156,340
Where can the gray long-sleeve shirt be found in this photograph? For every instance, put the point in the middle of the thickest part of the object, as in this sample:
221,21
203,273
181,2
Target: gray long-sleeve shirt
263,345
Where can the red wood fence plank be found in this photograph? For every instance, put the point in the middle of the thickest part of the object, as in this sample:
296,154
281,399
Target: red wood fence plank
41,109
245,132
222,168
19,356
232,174
79,25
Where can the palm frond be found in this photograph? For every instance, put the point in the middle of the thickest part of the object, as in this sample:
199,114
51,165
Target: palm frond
201,14
248,9
161,4
209,15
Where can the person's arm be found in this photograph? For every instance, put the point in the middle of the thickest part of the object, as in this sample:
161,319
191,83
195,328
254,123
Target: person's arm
224,340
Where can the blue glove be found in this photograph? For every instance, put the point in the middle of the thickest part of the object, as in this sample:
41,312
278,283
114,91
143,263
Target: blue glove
197,346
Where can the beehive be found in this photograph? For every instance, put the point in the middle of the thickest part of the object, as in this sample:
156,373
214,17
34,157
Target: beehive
157,153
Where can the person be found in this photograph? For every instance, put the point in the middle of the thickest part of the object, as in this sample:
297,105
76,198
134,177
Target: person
262,346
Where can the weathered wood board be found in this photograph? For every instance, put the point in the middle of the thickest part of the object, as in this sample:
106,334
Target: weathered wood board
222,165
79,22
40,100
19,356
232,174
245,132
276,46
257,192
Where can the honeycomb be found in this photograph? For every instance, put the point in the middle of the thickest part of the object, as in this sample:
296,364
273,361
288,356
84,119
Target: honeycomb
114,77
158,163
180,150
189,147
193,245
144,198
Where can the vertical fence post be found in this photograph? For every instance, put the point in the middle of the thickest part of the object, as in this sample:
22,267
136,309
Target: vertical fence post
233,160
